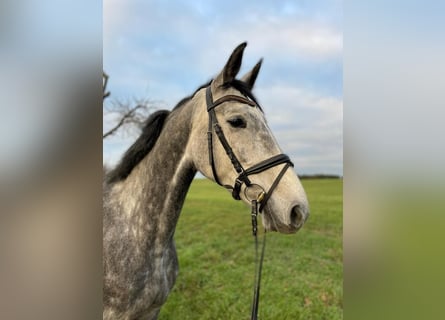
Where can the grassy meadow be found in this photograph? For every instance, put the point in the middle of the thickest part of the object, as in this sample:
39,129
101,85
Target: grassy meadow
302,272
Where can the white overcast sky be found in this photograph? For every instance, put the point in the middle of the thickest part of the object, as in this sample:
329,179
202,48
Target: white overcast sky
164,50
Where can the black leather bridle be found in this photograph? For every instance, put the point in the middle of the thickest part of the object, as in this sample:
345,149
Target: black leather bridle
243,176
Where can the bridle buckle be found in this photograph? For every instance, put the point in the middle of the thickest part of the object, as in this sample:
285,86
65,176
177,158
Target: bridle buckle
261,197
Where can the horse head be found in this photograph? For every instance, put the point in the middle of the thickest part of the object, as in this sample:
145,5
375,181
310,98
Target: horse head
233,145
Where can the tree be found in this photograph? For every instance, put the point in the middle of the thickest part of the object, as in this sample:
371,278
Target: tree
127,115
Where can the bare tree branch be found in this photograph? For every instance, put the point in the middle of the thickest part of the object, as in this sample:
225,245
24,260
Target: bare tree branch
129,115
121,122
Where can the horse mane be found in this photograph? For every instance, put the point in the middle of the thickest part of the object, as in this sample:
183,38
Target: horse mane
140,148
152,130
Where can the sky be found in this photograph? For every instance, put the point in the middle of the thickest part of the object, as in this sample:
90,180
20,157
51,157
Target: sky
164,50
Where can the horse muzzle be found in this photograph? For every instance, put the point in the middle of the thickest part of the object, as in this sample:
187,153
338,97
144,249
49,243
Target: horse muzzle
296,216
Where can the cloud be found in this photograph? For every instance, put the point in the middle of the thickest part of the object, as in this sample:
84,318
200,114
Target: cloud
308,126
303,40
166,50
207,30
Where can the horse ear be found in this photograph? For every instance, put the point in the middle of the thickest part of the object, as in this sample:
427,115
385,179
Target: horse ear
232,66
250,77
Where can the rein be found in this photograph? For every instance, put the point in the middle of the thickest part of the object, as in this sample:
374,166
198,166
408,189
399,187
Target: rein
254,193
258,263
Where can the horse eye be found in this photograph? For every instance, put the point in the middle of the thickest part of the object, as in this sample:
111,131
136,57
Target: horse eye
237,122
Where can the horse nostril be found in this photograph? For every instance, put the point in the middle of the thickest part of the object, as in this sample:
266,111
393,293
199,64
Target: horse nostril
296,216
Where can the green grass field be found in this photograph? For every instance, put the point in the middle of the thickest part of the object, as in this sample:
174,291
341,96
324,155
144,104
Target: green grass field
302,272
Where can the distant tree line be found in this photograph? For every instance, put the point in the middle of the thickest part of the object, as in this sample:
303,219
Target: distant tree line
319,176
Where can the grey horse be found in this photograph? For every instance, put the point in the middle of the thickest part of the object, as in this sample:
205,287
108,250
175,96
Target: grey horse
143,195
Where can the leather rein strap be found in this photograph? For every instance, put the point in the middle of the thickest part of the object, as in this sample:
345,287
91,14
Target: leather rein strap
243,178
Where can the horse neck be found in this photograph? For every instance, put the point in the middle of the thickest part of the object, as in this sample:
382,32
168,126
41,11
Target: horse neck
151,197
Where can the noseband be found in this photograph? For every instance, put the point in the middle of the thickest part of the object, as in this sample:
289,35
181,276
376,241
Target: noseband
243,174
243,178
